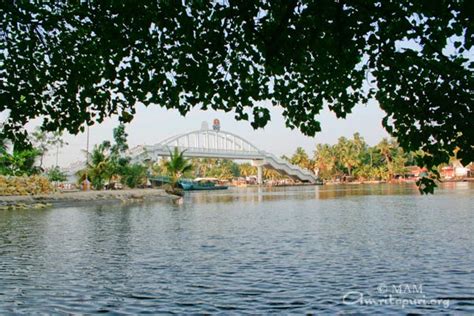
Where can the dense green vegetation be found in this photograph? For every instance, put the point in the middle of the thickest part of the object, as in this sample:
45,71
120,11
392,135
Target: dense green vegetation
73,63
56,175
354,158
348,159
19,162
108,163
177,166
216,168
22,160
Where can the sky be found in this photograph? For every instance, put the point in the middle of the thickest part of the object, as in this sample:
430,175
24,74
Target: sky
153,124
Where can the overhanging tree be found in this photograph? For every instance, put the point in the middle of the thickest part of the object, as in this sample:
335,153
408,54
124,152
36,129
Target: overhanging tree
75,63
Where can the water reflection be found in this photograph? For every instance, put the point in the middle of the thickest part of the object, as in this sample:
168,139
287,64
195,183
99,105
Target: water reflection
262,194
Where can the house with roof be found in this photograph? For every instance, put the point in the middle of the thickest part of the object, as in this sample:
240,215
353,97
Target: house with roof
455,170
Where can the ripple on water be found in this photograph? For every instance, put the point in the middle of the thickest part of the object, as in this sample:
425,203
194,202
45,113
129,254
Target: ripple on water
287,250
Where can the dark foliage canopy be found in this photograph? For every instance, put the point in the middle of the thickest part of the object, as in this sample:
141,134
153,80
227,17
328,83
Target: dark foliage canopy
77,62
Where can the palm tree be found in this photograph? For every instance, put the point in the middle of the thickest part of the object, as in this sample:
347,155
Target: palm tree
247,170
325,161
385,148
205,166
347,153
177,166
98,168
301,159
399,162
272,174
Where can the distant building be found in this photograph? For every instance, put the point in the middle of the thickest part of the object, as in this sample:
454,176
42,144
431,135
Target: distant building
72,170
460,172
456,170
470,170
413,172
447,172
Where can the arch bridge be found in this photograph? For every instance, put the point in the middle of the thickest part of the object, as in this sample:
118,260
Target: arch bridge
207,143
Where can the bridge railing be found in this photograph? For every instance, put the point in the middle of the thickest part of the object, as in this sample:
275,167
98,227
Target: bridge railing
289,165
164,150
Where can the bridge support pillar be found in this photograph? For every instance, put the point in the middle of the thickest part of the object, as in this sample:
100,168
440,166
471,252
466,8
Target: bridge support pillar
260,175
259,165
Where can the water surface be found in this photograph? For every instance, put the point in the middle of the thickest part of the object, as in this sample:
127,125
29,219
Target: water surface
246,250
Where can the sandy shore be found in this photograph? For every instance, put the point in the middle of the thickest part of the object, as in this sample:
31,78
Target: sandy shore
82,198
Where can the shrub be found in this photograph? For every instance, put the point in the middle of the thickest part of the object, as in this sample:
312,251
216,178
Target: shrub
55,174
134,175
25,185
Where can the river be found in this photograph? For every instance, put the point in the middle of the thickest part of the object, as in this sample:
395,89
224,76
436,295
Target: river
324,250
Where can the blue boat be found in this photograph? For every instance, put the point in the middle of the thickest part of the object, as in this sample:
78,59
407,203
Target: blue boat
201,184
185,184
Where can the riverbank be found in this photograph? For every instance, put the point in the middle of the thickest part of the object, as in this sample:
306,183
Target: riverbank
402,181
81,197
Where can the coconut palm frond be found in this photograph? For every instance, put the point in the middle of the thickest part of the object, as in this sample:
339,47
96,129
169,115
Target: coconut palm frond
177,165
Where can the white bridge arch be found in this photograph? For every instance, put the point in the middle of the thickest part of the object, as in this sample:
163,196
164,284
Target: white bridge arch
207,143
